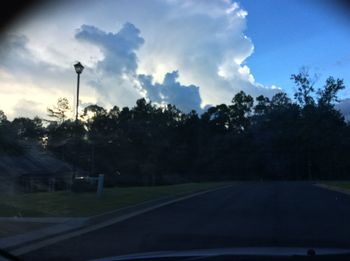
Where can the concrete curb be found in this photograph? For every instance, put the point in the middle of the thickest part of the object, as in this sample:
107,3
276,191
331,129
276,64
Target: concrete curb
24,244
333,188
48,220
150,203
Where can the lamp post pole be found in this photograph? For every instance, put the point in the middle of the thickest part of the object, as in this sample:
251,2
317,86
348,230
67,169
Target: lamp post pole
78,69
77,104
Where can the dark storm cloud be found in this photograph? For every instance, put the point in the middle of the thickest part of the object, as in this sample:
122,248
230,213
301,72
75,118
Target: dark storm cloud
186,98
118,48
14,53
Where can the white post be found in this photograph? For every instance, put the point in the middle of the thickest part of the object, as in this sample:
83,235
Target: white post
100,184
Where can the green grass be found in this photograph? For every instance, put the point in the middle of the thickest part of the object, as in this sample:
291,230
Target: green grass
339,184
62,204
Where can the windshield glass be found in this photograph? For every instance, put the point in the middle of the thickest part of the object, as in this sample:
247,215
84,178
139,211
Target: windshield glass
129,127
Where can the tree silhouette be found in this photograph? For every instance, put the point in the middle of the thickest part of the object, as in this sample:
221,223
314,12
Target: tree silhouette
305,87
148,144
328,95
59,112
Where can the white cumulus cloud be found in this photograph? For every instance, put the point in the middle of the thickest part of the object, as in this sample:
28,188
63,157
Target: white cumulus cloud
197,49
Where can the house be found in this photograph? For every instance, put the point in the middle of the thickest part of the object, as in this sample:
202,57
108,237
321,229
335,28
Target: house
36,170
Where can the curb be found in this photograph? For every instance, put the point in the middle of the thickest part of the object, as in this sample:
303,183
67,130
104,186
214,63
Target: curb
47,220
103,220
167,200
333,188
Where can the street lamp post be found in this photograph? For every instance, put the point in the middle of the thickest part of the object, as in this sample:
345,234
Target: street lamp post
79,69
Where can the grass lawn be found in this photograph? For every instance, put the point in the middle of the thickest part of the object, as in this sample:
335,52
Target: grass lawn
62,204
339,184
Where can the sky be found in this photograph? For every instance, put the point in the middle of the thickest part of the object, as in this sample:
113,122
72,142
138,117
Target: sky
191,53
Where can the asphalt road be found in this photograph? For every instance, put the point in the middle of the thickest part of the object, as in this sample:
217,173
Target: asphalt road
292,214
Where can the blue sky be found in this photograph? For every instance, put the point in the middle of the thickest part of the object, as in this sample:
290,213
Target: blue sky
290,34
191,53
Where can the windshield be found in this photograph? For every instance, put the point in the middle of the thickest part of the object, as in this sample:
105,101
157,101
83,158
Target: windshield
129,127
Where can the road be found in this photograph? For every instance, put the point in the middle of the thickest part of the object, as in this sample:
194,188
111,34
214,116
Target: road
247,214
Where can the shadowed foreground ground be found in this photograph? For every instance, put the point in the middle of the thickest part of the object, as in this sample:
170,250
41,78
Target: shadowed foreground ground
246,214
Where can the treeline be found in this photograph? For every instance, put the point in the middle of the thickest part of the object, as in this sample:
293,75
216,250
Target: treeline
266,138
